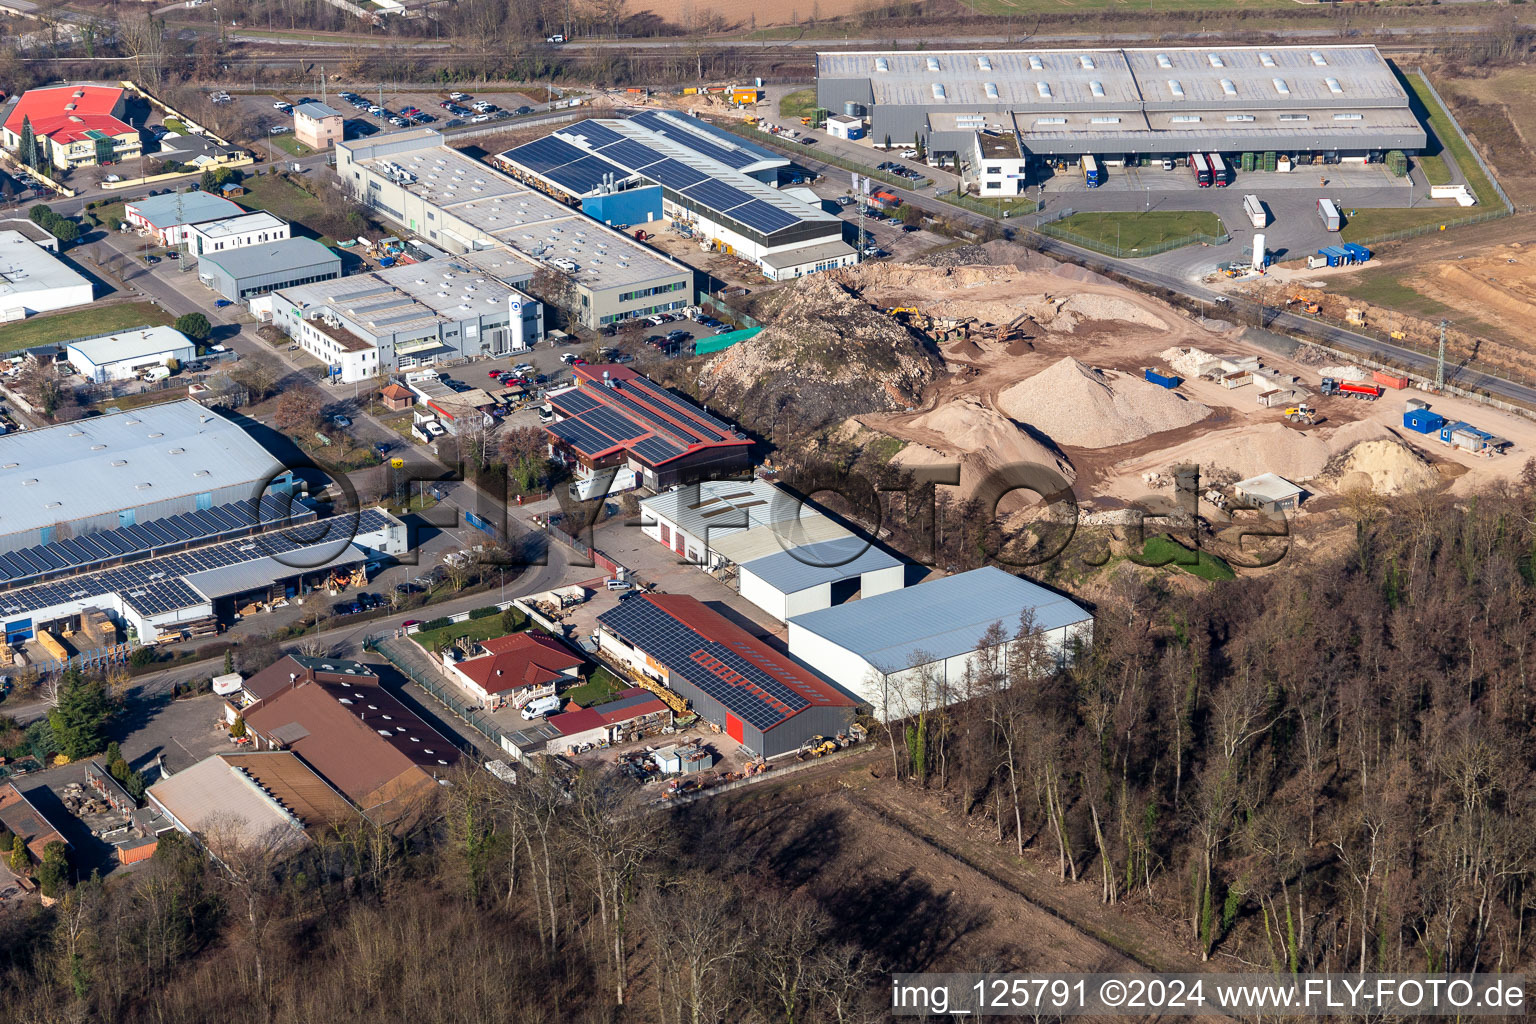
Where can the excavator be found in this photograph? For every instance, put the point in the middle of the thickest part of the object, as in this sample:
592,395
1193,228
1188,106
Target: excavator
1307,305
1301,414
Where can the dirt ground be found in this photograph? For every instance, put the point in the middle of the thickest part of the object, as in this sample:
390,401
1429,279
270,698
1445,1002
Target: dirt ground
724,14
1103,325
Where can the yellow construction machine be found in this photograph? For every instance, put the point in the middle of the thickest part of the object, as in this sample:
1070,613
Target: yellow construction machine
1301,414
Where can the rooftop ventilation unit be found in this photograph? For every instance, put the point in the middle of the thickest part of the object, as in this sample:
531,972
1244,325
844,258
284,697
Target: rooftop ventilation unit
1239,117
1185,119
1103,120
1349,117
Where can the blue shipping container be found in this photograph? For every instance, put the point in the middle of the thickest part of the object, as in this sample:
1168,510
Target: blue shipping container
1423,421
1359,252
1162,380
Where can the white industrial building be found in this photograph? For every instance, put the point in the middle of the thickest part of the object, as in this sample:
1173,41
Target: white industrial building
169,218
127,354
787,556
236,232
34,280
910,650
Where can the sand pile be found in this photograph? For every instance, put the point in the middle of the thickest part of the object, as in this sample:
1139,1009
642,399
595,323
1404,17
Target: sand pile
1272,448
1344,373
978,436
1093,306
1384,466
1089,408
1186,362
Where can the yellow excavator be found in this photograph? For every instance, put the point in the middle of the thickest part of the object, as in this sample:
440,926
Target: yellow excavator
1301,414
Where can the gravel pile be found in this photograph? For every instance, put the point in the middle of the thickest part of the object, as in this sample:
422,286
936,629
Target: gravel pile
1384,466
1088,408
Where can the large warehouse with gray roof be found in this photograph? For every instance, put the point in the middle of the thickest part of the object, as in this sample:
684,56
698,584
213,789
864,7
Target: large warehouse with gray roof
1328,103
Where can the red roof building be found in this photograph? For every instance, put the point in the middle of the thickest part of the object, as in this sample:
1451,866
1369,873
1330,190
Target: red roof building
74,125
616,419
761,698
531,664
634,713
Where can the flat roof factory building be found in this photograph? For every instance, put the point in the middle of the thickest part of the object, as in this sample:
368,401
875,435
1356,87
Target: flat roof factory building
126,354
468,306
252,270
909,650
34,280
462,205
702,184
1329,102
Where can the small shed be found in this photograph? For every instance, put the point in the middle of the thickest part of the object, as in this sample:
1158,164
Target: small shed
841,126
1271,492
1419,419
396,398
231,189
679,760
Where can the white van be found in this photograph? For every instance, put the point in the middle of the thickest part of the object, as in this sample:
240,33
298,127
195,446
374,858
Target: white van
539,708
156,373
616,584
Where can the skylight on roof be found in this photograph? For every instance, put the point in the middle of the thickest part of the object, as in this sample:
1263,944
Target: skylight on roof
1281,87
1227,87
1097,88
1175,88
1163,61
984,63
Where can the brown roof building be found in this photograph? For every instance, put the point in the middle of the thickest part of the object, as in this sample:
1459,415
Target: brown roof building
296,668
396,398
269,799
358,737
22,818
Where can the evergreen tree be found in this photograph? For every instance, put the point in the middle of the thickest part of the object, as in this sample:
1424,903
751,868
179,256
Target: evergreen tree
27,148
53,875
229,661
19,862
80,720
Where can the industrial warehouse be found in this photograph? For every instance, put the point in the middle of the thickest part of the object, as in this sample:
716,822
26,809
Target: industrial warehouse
1325,104
141,552
463,205
653,165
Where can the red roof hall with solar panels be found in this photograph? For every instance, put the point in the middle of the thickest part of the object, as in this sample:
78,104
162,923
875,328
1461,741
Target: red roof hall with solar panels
761,698
614,415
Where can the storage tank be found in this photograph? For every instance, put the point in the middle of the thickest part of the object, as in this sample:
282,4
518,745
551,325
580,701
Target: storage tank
1259,260
853,109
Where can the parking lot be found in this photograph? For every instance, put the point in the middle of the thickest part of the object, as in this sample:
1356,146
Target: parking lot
381,110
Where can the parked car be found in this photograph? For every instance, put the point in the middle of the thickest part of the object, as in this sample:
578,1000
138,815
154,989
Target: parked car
456,122
460,96
151,260
525,110
480,119
280,105
341,421
279,129
221,303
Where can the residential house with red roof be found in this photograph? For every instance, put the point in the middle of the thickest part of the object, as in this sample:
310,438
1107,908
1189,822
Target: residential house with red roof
761,698
74,125
515,669
634,714
618,430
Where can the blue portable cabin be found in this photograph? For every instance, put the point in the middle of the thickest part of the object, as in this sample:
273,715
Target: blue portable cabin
1423,421
1359,252
1162,380
1335,256
1448,428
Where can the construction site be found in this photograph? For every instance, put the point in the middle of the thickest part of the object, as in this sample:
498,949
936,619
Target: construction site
994,355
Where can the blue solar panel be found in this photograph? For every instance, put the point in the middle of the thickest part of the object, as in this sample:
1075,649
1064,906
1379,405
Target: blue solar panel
581,437
704,138
674,174
544,154
656,450
765,217
584,176
573,402
615,424
692,412
629,153
717,196
595,134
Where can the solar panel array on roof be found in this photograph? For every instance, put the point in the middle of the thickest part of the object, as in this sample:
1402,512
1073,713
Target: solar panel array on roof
594,133
134,576
765,217
579,435
631,154
722,429
575,401
717,196
583,176
675,174
544,155
74,554
657,449
744,688
703,138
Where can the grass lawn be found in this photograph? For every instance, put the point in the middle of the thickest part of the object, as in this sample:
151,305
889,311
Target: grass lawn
601,688
1136,230
290,145
82,323
174,124
1435,169
1365,224
109,216
475,629
1440,122
1383,286
798,104
276,195
1207,567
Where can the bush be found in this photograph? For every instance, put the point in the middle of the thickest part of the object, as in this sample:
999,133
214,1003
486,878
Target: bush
194,326
484,613
142,657
62,228
432,624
